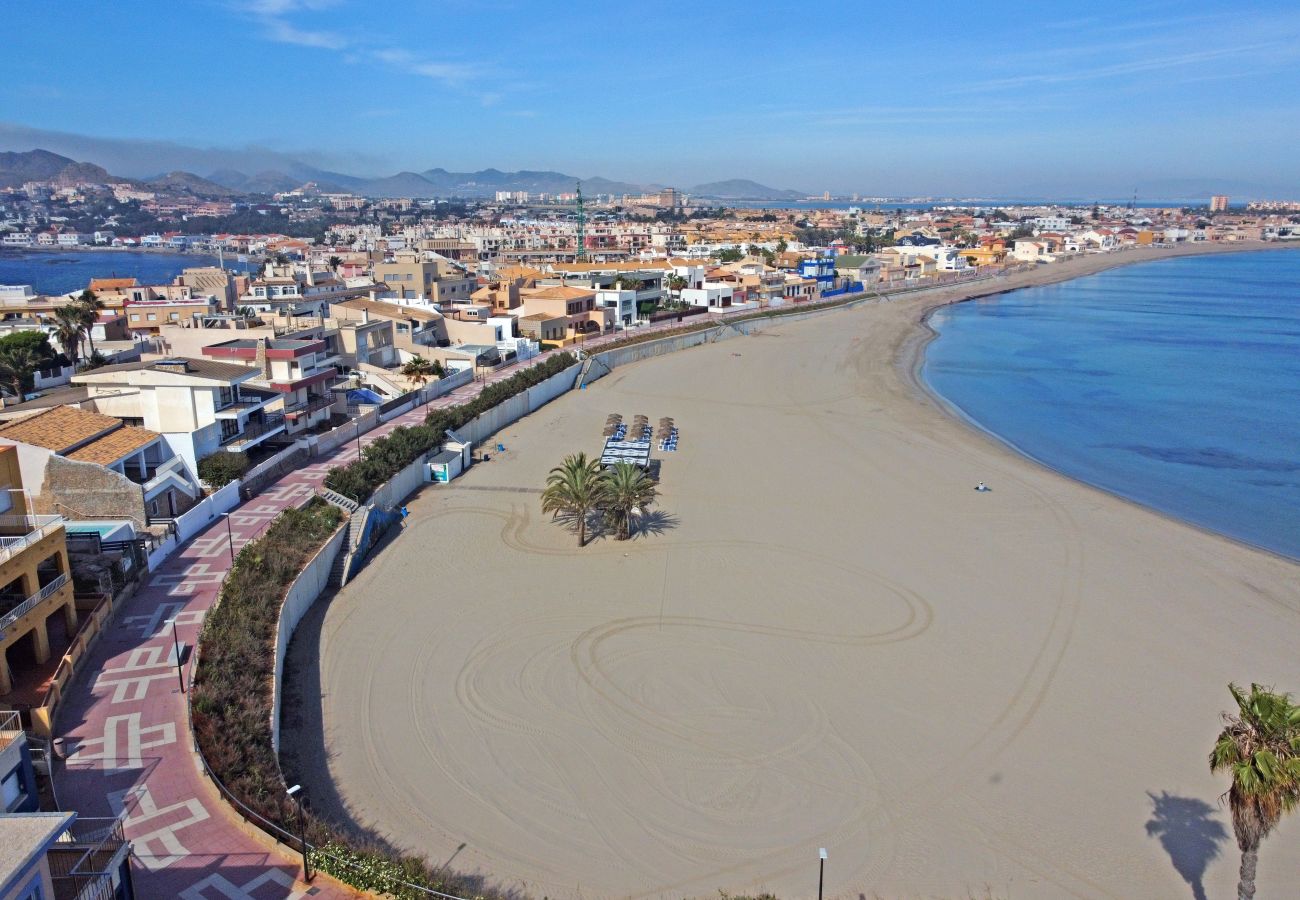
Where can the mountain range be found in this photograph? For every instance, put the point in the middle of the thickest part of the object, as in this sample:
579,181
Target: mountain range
42,165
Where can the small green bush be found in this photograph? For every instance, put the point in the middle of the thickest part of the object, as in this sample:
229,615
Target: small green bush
384,457
220,468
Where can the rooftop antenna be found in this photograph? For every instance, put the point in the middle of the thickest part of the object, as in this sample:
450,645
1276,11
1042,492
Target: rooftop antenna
582,226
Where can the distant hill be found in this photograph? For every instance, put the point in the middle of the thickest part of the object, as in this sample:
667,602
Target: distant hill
42,165
189,183
429,183
743,189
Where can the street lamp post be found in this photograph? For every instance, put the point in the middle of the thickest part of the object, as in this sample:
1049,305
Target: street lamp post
176,643
358,438
230,535
821,871
296,793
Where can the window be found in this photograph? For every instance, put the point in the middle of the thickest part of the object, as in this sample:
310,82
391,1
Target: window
174,316
153,317
135,317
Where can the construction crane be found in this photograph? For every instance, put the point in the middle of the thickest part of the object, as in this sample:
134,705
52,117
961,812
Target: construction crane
582,227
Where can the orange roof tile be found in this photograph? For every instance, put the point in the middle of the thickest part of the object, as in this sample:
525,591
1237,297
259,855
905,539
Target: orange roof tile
59,428
112,284
115,445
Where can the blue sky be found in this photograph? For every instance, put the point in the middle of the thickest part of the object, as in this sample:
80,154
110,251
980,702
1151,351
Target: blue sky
976,99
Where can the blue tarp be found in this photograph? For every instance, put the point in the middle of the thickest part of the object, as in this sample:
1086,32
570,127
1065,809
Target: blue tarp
363,396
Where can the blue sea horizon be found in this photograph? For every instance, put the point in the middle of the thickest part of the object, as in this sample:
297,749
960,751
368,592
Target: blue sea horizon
57,272
1173,383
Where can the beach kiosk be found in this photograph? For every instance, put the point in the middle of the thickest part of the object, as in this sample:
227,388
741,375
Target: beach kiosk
449,462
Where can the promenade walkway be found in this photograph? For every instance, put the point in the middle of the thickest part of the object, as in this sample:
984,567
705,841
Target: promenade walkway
127,729
125,721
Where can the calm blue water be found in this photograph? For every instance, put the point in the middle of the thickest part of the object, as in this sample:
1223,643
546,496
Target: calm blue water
61,271
1174,383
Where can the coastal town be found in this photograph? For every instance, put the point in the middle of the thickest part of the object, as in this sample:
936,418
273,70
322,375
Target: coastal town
151,430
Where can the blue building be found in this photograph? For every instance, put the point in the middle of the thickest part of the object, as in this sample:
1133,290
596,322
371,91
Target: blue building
821,268
48,855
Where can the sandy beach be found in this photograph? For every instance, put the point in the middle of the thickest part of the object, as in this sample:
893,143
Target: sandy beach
822,637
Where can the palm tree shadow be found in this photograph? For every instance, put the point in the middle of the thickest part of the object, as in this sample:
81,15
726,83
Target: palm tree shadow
1190,832
653,523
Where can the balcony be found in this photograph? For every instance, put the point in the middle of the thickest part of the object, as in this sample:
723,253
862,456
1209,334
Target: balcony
85,858
308,406
23,531
248,401
13,608
255,431
11,728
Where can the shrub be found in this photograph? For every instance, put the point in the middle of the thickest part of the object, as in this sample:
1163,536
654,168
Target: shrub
384,457
220,468
231,708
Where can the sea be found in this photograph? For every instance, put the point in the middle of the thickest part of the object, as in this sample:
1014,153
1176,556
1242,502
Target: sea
1173,383
60,271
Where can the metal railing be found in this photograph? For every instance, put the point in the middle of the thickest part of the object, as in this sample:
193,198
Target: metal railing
11,727
254,430
309,405
83,859
37,527
32,602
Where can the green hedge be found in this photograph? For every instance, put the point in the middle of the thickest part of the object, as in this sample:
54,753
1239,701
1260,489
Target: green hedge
220,468
231,694
231,705
384,457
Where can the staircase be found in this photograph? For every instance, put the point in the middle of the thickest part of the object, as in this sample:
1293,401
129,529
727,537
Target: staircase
339,567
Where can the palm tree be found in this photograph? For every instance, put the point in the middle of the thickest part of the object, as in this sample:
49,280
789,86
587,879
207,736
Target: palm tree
677,283
1260,747
574,487
88,305
69,329
335,262
418,369
627,488
17,365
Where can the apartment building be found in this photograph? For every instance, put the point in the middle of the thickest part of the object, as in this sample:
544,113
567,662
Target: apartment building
437,280
199,406
414,328
577,306
86,464
36,599
149,316
300,372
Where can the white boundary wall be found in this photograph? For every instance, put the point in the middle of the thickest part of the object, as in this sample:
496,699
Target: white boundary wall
302,594
194,520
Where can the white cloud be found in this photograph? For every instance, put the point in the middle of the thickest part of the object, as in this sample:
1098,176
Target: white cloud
282,32
273,16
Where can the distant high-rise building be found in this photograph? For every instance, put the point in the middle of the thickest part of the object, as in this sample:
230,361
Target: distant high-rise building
826,195
669,198
1218,203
